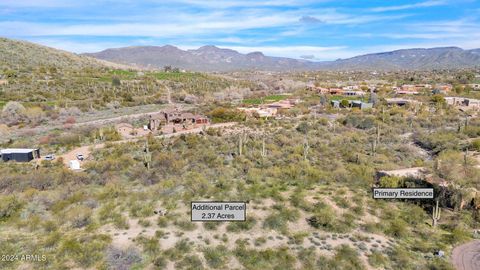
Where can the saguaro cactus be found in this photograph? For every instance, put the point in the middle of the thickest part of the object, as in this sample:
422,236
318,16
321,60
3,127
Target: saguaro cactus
435,215
377,133
147,156
264,151
306,147
240,144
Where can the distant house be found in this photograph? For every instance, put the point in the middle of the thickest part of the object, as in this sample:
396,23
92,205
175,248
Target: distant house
173,117
354,93
400,101
475,86
361,105
19,154
335,103
352,104
463,102
335,91
351,87
444,87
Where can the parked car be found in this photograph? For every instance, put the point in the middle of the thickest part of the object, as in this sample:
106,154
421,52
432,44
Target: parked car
80,157
50,157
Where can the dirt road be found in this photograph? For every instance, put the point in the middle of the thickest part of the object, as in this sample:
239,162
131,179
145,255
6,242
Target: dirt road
467,256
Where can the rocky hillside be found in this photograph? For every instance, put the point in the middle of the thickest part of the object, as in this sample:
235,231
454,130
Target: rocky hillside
22,55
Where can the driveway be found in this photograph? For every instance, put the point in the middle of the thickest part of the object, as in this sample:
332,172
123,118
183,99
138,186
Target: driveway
467,256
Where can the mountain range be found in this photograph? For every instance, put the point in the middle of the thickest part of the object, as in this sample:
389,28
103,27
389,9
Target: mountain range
211,58
22,54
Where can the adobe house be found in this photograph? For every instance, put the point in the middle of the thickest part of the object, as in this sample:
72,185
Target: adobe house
175,117
19,154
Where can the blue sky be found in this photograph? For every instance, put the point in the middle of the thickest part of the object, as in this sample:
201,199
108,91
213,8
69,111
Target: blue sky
318,30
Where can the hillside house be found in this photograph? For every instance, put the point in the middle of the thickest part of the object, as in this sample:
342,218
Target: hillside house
19,154
361,105
354,93
175,117
475,86
463,102
400,102
406,92
444,87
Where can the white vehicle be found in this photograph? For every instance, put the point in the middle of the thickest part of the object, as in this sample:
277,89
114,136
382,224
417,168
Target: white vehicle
80,157
50,157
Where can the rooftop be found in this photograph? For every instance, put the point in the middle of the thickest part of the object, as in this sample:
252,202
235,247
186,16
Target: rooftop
17,150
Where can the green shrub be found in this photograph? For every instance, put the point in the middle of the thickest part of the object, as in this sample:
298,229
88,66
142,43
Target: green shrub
216,257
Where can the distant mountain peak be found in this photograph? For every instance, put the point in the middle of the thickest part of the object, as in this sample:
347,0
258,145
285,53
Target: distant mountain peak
213,58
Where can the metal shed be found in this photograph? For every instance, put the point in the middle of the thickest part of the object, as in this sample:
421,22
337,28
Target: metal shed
19,154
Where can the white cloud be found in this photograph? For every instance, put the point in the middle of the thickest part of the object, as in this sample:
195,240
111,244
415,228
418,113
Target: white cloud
410,6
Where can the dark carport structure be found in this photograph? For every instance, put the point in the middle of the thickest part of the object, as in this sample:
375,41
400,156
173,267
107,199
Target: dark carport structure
19,154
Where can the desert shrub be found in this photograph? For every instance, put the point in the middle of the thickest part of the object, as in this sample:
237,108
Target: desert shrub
79,216
377,259
85,251
160,262
476,145
219,115
211,226
401,258
122,259
298,237
265,259
13,113
347,258
216,257
391,182
242,226
185,225
190,262
181,248
149,245
260,241
323,219
397,228
438,141
458,235
439,264
9,205
162,222
359,121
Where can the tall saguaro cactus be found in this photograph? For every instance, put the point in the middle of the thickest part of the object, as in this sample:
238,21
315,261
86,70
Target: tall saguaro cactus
240,144
264,151
306,147
435,214
147,156
377,134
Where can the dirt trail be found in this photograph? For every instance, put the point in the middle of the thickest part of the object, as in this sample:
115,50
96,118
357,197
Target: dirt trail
467,256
